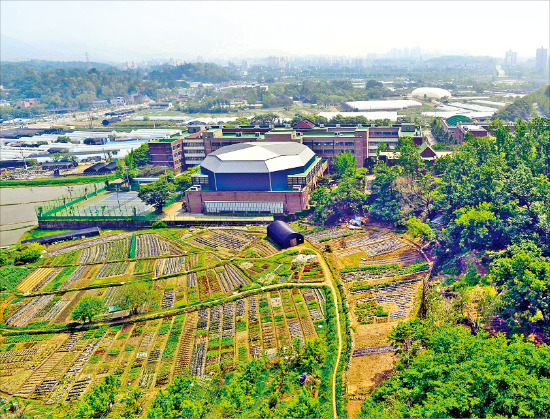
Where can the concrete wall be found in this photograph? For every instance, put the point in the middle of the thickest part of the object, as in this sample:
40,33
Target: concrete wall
137,224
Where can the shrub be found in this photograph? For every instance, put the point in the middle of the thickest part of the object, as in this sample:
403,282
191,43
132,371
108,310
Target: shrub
159,224
30,253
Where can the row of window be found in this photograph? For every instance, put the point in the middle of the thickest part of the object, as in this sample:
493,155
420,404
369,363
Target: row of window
329,143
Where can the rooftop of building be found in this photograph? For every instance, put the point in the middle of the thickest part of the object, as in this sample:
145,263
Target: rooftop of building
258,157
454,120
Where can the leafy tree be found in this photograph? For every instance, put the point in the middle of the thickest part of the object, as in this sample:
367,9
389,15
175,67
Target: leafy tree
476,227
134,295
183,181
99,401
63,139
4,258
524,279
303,406
521,108
417,228
29,253
133,403
264,119
159,224
242,121
345,164
453,373
157,193
385,195
141,155
409,157
381,147
179,400
88,307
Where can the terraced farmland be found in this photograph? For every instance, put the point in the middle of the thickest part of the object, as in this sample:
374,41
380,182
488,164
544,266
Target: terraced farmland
167,335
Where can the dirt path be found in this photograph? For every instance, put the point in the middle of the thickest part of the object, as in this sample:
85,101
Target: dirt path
329,281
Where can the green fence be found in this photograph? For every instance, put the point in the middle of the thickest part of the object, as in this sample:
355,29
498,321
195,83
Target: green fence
51,207
175,198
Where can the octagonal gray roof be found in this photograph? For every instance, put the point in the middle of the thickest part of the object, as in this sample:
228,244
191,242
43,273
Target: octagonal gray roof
258,157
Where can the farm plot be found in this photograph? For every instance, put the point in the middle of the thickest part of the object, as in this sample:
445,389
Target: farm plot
262,271
145,266
26,313
75,276
82,244
151,245
373,249
374,273
230,278
320,236
68,258
112,250
38,279
112,269
174,265
150,353
403,257
260,249
384,271
312,272
227,239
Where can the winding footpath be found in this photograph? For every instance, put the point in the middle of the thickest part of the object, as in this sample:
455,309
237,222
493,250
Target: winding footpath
329,281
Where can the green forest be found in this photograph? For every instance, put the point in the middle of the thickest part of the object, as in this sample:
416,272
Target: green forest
491,201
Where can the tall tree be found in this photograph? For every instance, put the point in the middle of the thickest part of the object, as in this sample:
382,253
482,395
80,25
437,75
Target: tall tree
134,295
87,308
345,164
157,193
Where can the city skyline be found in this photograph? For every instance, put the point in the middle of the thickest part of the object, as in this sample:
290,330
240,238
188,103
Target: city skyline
222,30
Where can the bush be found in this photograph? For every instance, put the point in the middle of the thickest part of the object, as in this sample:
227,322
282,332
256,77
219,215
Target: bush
30,253
159,224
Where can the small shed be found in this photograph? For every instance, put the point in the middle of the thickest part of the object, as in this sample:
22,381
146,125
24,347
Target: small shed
284,235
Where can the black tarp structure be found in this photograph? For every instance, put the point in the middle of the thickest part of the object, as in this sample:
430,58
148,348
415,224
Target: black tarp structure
76,234
284,235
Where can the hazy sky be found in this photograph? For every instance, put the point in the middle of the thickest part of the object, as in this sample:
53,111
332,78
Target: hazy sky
133,30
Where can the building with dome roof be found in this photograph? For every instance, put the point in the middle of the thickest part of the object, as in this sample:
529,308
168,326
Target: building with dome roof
255,177
430,93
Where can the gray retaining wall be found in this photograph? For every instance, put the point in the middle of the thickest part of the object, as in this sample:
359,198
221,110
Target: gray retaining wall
136,224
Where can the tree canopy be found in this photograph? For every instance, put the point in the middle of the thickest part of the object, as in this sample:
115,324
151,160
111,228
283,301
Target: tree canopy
157,193
453,373
87,308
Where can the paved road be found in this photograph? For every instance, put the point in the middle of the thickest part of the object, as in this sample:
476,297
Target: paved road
429,136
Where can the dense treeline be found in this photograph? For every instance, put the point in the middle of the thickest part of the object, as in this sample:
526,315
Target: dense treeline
322,92
493,191
524,108
59,87
492,200
445,371
199,72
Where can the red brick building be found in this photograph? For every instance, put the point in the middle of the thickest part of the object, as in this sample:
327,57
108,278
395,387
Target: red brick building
326,142
248,177
168,152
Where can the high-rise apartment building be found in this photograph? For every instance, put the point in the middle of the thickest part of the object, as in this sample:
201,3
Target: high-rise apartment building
542,60
511,58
